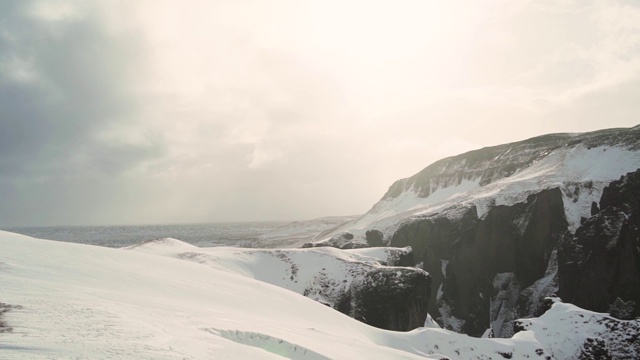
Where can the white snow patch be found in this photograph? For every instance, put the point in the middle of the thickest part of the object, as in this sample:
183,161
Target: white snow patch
443,267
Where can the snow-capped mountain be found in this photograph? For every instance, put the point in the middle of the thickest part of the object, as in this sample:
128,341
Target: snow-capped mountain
63,300
581,165
487,224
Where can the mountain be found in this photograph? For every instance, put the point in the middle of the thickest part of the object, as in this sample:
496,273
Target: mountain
604,253
64,300
488,224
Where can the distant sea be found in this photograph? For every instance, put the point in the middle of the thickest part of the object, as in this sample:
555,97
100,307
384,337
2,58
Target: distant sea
203,235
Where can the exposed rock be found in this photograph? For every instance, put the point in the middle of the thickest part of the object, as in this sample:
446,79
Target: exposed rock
4,308
601,261
594,349
516,239
401,257
392,298
622,310
374,237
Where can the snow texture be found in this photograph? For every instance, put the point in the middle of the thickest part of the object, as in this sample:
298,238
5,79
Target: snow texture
78,301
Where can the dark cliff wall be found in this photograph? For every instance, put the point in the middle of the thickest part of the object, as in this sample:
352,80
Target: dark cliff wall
392,299
601,261
514,239
387,297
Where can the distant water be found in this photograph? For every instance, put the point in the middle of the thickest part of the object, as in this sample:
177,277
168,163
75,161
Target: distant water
203,235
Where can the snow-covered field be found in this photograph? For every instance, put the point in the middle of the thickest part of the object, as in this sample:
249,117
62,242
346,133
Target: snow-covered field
73,301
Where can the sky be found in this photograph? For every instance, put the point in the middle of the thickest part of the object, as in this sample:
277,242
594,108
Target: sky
153,111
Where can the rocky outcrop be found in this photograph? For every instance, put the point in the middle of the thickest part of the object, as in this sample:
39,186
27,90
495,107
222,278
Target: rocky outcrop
473,260
601,261
374,237
569,332
342,240
4,308
390,298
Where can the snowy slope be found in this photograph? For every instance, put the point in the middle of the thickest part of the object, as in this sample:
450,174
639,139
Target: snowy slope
79,301
91,302
581,165
323,274
345,280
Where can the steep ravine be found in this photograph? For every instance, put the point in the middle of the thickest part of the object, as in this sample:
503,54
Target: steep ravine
489,271
469,258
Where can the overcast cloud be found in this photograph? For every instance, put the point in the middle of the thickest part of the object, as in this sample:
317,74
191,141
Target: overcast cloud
131,112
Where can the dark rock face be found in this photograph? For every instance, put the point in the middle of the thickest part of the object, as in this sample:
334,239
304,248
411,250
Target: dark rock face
401,257
379,292
465,256
601,261
374,238
393,299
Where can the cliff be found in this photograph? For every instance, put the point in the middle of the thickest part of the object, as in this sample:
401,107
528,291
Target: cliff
601,261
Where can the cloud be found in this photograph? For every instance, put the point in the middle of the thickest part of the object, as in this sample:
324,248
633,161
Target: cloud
59,89
163,111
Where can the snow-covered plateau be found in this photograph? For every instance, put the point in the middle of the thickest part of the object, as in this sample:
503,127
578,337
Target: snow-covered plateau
73,301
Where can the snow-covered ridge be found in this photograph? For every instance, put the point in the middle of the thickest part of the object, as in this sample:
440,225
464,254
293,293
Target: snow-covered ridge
581,165
323,274
78,301
489,164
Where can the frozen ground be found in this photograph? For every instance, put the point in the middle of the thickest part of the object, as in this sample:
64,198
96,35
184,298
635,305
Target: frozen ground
74,301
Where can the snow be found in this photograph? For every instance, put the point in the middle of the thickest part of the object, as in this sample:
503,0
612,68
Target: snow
92,302
562,319
143,302
443,267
